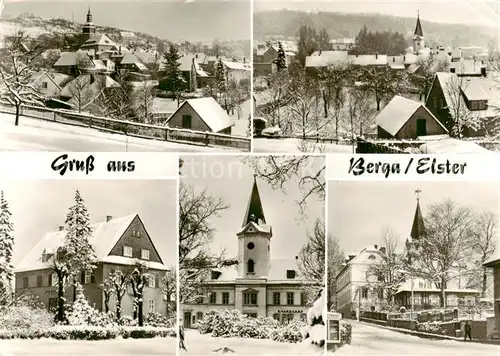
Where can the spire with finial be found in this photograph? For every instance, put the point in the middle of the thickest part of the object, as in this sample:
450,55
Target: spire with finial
254,212
418,228
418,28
89,16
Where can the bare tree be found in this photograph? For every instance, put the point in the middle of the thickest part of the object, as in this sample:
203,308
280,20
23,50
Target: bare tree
18,65
423,77
334,80
335,263
279,170
484,244
117,102
116,284
145,96
388,270
81,92
277,96
461,117
358,112
447,244
312,260
381,82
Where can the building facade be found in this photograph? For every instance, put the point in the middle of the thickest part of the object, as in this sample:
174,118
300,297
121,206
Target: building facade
119,244
259,286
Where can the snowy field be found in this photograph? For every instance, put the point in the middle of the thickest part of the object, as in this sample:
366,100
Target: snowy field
200,345
38,135
293,145
51,347
373,340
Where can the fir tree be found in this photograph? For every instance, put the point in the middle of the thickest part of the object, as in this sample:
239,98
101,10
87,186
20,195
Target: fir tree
173,74
280,59
6,246
220,83
193,82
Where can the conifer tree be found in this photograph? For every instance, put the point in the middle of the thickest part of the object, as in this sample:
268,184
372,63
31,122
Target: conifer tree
6,246
173,74
280,59
220,83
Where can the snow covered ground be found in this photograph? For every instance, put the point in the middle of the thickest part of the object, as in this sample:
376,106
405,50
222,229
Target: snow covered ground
200,345
51,347
293,145
38,135
373,340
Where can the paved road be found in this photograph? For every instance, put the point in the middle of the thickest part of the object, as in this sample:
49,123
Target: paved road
373,340
38,135
50,347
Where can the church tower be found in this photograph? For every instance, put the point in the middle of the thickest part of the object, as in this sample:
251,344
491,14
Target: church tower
418,227
89,27
418,37
254,239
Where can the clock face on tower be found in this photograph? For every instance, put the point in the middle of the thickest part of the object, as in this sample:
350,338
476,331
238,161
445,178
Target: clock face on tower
250,245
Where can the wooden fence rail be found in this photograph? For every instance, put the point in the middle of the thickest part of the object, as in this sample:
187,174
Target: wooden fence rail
133,129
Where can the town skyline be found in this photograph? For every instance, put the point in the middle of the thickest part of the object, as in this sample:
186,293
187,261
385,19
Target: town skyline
174,21
41,206
380,205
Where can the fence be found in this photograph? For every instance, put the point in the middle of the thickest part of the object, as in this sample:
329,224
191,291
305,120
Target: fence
132,129
365,146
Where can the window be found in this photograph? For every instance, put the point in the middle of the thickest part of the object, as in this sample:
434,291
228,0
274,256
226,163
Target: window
303,317
136,233
213,298
151,281
250,245
145,254
54,280
151,306
250,266
186,121
276,316
250,298
364,292
482,105
39,281
44,85
452,70
127,251
199,315
473,105
276,298
25,282
88,277
225,298
290,274
290,298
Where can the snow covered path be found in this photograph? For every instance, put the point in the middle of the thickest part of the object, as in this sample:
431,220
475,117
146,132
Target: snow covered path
51,347
200,345
39,135
291,145
373,340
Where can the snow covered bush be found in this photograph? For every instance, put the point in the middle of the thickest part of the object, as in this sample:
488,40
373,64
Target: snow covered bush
127,320
24,317
82,313
345,333
431,327
316,317
158,320
145,332
232,323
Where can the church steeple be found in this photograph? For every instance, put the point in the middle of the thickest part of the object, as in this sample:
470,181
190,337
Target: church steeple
418,228
418,28
88,28
254,211
418,37
89,16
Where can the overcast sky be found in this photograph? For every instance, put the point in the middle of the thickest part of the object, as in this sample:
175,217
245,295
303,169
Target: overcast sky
358,211
227,177
451,11
40,206
200,20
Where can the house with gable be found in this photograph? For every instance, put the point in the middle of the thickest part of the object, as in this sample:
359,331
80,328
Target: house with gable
258,285
403,118
201,114
119,244
51,84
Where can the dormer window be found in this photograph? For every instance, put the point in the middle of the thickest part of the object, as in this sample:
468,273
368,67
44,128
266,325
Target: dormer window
215,275
136,233
250,266
290,274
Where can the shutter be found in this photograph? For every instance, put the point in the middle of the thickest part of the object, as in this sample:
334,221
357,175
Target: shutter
50,280
82,277
157,282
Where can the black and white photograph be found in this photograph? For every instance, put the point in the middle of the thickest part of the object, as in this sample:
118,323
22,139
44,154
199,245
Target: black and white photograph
252,255
168,76
413,266
376,76
88,267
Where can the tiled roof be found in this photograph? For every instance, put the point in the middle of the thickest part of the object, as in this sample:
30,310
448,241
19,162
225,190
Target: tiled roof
254,207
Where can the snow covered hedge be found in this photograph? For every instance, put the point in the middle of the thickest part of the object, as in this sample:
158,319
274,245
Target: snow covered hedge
232,323
24,317
431,327
70,332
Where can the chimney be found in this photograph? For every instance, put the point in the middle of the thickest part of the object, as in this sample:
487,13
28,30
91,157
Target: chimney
244,60
483,71
376,55
61,228
383,250
108,218
196,56
296,257
376,247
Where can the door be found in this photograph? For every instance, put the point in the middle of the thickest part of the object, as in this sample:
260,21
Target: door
186,121
421,127
187,320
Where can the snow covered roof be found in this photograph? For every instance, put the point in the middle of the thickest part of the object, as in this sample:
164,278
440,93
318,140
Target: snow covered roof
399,110
236,65
494,259
369,59
104,237
451,145
214,116
98,40
96,83
467,67
68,59
326,58
56,78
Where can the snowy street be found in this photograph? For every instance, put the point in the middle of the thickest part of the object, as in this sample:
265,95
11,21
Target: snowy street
39,135
373,340
199,345
122,347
